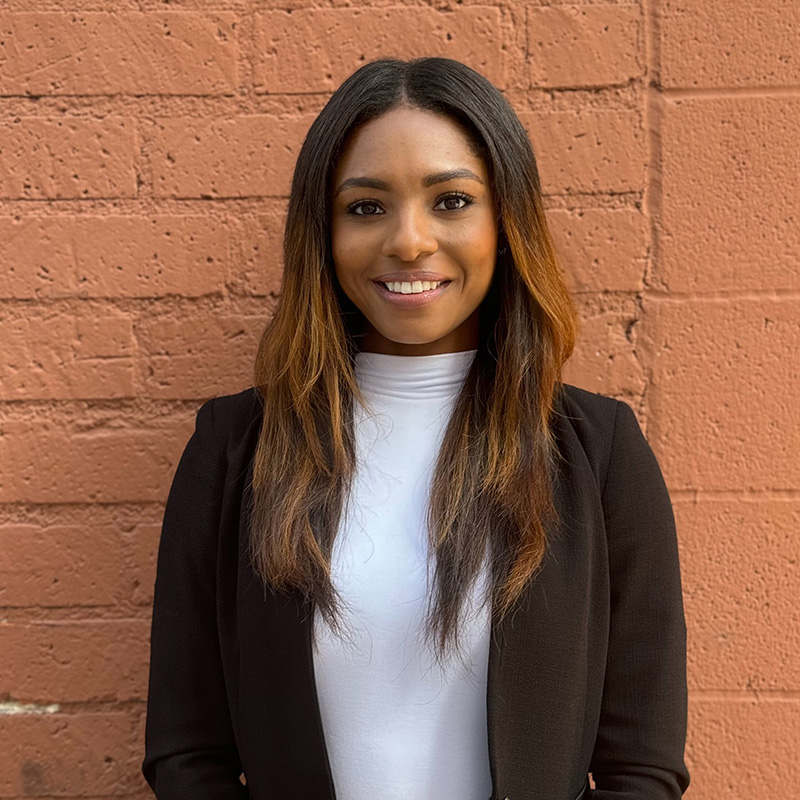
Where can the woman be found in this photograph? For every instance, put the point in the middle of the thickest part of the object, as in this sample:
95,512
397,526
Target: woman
410,561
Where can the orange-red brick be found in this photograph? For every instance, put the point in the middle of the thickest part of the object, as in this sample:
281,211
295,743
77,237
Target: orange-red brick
741,583
601,249
89,53
114,256
721,399
68,157
743,745
60,565
142,562
294,52
67,355
82,754
724,44
584,45
604,359
172,369
75,661
246,156
731,205
259,253
48,463
587,151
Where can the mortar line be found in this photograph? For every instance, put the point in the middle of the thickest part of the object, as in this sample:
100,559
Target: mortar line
723,92
652,193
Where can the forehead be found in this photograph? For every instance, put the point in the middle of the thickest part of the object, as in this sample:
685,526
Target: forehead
408,138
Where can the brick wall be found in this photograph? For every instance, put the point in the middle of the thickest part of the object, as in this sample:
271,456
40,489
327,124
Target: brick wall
146,153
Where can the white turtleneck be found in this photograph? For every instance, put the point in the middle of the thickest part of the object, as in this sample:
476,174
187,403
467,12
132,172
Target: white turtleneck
396,726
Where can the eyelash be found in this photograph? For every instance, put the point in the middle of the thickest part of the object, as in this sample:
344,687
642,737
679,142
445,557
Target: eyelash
468,200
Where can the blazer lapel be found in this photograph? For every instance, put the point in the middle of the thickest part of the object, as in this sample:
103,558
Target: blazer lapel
282,739
542,664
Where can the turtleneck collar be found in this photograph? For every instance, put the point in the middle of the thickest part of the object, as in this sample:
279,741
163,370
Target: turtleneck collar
414,377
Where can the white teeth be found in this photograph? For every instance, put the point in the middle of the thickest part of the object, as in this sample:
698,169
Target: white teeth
414,287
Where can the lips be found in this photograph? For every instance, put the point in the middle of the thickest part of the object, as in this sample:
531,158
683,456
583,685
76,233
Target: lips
414,299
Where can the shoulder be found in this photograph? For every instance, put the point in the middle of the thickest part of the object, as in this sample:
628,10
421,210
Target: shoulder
611,434
590,409
599,423
233,409
591,415
235,419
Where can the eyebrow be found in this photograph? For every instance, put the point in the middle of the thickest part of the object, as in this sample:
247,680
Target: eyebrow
429,180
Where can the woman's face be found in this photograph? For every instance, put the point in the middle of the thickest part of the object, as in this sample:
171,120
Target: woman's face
410,197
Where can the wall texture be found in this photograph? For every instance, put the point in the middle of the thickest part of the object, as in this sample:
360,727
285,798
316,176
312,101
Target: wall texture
146,153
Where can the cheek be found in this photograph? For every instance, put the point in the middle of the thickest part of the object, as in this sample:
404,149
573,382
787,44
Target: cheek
486,247
478,246
479,232
342,253
347,248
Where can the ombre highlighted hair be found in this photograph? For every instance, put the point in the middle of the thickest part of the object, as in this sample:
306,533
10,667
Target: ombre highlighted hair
492,488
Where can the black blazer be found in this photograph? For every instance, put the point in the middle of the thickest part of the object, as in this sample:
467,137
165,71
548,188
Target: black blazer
587,675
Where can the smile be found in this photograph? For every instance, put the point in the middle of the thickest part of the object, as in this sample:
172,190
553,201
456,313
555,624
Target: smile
411,299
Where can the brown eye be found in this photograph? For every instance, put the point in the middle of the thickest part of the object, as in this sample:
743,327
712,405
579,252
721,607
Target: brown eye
455,196
361,204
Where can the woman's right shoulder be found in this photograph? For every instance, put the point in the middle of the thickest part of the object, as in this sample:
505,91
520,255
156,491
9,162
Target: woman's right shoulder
235,418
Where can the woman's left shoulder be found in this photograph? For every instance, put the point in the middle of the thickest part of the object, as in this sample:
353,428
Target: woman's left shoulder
591,415
588,408
600,423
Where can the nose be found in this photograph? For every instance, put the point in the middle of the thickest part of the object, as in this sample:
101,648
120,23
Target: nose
409,236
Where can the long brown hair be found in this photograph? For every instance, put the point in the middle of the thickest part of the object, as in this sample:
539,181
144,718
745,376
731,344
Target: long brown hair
493,479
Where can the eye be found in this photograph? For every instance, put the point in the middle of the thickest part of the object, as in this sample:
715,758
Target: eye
361,204
468,201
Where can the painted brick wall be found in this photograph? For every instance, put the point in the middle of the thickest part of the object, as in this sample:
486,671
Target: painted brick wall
146,151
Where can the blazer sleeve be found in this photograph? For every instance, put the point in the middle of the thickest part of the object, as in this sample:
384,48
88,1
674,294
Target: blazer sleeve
189,743
639,750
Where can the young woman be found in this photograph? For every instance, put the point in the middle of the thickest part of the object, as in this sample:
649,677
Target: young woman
410,562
